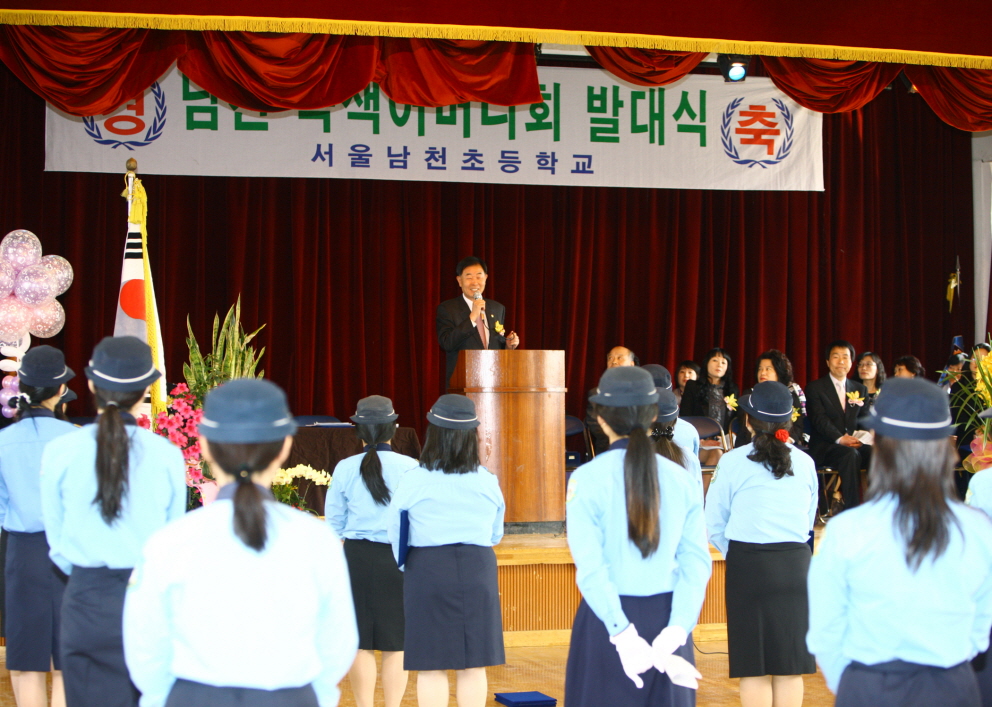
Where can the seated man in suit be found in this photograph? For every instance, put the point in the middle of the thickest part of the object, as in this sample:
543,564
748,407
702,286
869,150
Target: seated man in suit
835,405
469,321
618,356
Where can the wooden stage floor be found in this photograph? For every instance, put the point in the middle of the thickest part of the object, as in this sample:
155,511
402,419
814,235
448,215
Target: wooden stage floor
543,669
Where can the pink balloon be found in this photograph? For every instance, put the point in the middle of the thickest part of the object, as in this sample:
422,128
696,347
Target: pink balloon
15,317
47,319
16,385
62,271
8,382
35,285
21,249
8,411
5,395
7,278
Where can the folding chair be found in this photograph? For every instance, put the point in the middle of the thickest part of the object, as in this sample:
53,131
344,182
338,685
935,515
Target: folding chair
575,426
708,428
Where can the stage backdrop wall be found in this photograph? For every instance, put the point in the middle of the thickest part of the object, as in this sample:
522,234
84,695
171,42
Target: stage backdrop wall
347,274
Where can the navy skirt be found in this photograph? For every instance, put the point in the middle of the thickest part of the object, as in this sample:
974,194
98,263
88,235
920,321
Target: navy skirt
451,603
594,676
768,609
33,604
377,590
93,666
186,693
900,684
983,673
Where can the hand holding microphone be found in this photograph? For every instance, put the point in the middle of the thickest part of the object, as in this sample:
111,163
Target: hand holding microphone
478,306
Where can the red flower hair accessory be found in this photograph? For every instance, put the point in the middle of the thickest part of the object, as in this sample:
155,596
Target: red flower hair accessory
782,435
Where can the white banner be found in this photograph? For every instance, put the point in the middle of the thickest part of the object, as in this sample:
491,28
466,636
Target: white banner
591,130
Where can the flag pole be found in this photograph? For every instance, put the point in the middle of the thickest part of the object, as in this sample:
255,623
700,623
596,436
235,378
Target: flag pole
137,217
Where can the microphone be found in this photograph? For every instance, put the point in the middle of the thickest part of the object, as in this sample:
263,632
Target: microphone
476,295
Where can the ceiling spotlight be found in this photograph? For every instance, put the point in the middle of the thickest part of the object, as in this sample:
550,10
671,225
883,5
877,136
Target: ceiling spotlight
733,66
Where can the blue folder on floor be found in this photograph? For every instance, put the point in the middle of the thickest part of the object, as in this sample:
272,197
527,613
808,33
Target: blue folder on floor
404,545
525,699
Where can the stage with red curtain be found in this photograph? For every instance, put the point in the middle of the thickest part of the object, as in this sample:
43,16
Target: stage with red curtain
346,274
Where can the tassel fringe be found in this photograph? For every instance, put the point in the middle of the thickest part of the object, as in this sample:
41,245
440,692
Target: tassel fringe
501,34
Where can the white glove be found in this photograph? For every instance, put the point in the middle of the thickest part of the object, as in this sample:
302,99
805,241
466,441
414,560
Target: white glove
635,654
680,671
666,642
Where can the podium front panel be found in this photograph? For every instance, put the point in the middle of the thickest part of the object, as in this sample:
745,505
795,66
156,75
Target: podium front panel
520,400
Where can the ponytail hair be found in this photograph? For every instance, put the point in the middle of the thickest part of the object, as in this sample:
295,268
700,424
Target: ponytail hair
242,460
113,447
640,473
666,447
768,448
371,467
30,395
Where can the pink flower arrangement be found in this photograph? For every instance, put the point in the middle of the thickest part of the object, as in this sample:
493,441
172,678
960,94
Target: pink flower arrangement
981,454
179,424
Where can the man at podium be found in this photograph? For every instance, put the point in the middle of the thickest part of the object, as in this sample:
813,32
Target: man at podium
469,321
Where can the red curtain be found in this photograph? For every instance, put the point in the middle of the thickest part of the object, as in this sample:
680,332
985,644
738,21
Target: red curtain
271,72
86,70
346,274
829,86
646,67
443,72
961,97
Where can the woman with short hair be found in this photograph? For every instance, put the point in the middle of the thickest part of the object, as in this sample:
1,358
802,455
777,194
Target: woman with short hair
454,510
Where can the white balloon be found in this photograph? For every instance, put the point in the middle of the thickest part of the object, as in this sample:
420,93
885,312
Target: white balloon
8,365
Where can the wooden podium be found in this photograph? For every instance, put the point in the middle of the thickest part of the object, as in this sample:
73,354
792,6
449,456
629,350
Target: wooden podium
520,400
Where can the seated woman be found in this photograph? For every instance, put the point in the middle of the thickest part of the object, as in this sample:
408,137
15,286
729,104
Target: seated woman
773,365
687,371
908,367
714,397
871,373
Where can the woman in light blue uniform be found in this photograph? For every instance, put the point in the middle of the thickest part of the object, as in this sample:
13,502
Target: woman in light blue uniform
900,589
683,434
34,585
665,442
245,602
451,596
760,508
105,489
356,510
636,532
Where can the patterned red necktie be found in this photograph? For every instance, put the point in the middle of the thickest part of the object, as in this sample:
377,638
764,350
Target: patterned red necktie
480,324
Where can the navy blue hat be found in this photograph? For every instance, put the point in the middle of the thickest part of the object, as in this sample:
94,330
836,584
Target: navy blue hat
44,367
122,363
68,396
625,386
245,411
456,412
374,410
769,401
668,407
662,378
911,408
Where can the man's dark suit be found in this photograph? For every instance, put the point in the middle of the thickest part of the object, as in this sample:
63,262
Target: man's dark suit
830,422
455,331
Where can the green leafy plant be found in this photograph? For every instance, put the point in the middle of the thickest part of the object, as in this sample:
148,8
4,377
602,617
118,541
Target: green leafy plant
230,357
972,397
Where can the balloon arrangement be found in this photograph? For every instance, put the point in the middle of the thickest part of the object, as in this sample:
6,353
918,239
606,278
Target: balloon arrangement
29,284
